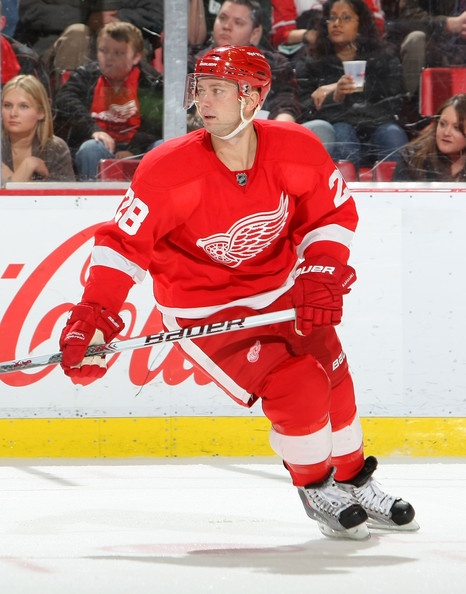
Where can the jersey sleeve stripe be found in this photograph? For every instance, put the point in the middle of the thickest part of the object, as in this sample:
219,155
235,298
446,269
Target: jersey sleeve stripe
333,232
105,256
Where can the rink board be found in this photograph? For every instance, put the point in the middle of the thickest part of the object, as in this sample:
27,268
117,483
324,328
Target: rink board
202,436
402,331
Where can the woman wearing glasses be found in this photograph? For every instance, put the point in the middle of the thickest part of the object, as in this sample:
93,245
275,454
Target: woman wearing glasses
363,124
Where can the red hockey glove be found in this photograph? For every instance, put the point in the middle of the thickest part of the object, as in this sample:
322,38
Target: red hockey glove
87,324
318,292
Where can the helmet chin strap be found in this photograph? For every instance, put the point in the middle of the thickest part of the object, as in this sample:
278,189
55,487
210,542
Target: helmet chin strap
242,125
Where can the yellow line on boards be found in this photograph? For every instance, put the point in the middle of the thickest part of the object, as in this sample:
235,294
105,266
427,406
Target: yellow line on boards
210,436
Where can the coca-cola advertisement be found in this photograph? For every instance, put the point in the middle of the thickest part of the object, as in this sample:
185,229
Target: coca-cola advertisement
402,328
44,258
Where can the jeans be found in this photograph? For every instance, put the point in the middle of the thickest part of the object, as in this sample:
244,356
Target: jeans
384,143
324,131
87,158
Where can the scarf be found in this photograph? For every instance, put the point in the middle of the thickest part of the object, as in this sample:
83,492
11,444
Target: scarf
117,112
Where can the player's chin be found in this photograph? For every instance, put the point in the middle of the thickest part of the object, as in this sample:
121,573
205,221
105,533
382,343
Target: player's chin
218,129
214,128
209,121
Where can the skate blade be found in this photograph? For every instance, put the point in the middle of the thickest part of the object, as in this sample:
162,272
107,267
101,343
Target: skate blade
360,532
412,526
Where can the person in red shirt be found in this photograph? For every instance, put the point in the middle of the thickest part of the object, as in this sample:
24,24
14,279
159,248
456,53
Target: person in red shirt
257,219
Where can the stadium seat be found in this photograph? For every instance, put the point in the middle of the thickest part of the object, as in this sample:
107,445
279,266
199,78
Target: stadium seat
348,170
117,169
383,171
437,85
365,174
380,172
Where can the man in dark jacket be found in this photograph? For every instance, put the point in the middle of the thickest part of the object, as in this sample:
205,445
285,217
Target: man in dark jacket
239,22
111,108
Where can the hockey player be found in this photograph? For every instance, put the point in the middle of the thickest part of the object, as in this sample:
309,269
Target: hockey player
243,217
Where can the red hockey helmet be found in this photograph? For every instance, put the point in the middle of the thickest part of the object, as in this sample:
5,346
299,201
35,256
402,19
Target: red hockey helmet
244,65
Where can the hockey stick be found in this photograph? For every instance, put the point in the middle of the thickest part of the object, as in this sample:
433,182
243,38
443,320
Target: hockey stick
140,342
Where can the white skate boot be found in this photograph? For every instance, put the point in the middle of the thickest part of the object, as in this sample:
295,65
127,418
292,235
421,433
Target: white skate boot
337,514
385,511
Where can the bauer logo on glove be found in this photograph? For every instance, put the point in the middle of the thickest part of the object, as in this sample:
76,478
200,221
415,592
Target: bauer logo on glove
318,292
315,268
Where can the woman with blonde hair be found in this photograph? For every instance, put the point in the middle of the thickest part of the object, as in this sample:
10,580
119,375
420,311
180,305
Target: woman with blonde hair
439,152
30,150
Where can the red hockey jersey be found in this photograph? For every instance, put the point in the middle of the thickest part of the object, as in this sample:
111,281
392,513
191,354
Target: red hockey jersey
212,238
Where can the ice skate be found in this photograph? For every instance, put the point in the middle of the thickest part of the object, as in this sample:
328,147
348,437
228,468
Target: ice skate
385,511
337,514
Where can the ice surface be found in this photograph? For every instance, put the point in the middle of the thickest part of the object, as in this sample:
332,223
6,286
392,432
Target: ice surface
223,525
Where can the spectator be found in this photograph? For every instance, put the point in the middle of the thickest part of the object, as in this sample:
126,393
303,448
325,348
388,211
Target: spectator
364,123
19,59
239,22
428,33
294,26
212,8
41,22
111,108
295,23
146,15
285,28
439,152
64,33
30,151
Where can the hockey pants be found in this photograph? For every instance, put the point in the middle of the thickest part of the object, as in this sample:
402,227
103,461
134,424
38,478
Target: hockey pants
304,385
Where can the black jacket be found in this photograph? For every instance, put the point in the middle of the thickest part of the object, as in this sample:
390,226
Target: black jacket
377,104
39,18
73,104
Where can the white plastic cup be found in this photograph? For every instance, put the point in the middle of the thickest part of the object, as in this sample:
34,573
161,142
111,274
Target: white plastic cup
356,69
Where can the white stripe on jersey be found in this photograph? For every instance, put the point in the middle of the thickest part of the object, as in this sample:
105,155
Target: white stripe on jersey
105,256
333,232
223,380
257,301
